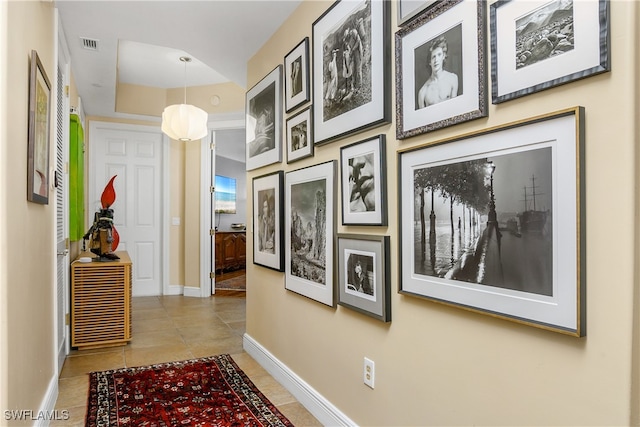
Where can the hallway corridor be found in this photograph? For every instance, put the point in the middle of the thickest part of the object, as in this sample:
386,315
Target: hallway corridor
172,328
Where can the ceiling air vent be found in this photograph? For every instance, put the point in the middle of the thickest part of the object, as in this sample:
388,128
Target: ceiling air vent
89,44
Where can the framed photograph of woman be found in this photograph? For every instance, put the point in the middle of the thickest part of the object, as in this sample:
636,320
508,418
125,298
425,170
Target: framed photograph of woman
493,222
299,136
263,112
310,223
38,137
268,233
363,181
296,66
537,45
351,69
364,283
441,68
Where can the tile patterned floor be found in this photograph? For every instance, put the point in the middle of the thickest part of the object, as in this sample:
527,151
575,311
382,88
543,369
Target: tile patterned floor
171,328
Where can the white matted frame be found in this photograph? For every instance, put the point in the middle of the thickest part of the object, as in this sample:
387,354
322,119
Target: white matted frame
310,202
268,233
296,68
350,99
364,283
491,267
300,136
409,9
263,113
363,182
456,92
530,54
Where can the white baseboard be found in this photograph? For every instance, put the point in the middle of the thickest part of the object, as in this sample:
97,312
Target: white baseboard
313,401
192,291
48,403
173,290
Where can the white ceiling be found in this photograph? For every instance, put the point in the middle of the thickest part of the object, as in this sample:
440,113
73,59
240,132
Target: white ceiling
140,42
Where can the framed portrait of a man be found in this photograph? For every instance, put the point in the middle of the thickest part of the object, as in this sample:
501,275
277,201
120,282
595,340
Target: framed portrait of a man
441,68
267,221
263,112
351,69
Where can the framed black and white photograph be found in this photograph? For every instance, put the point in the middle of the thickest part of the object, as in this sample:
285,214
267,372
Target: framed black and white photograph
296,67
537,45
300,136
351,69
364,283
408,9
441,68
263,111
310,204
364,183
268,231
38,137
493,222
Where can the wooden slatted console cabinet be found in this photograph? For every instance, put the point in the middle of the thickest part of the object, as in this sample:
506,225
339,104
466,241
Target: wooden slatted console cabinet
100,302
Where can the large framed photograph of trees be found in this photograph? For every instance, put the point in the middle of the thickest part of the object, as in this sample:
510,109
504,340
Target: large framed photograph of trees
310,211
493,222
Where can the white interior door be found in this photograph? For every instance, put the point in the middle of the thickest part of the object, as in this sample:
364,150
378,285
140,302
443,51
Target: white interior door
135,154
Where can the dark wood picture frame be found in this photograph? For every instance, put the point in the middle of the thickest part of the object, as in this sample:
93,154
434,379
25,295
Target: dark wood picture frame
39,132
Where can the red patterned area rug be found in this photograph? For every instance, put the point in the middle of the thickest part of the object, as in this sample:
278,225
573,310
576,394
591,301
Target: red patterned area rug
211,391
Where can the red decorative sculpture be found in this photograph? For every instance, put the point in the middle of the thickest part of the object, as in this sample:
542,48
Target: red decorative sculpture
103,234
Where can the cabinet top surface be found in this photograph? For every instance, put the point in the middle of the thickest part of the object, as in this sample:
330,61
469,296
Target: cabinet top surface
124,259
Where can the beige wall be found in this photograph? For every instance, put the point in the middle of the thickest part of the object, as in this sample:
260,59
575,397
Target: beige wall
439,365
28,229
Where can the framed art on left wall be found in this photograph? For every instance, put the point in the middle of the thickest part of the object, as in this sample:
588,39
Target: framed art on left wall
38,138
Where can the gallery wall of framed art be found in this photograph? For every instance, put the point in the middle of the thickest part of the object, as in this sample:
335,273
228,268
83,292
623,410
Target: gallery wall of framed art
540,167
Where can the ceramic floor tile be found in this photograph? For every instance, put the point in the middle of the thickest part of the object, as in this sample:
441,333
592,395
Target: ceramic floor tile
154,355
80,364
72,391
172,328
298,415
155,339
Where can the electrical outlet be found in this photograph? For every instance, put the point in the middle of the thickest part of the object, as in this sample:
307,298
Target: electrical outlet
369,372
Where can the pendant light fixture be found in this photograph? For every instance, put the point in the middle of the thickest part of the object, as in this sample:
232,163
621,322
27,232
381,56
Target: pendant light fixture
184,122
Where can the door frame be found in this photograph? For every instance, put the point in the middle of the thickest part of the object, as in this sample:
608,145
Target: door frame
164,191
207,172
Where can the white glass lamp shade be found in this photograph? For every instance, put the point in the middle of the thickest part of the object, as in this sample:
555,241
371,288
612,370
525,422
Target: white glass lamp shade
184,122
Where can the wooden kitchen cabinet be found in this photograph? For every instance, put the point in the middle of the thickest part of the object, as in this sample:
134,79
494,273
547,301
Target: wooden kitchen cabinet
231,250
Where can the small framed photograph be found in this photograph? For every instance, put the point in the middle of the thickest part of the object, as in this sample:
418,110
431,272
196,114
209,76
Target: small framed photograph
408,9
268,231
440,68
363,276
310,204
364,182
38,137
493,222
299,136
264,121
296,68
537,45
351,69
